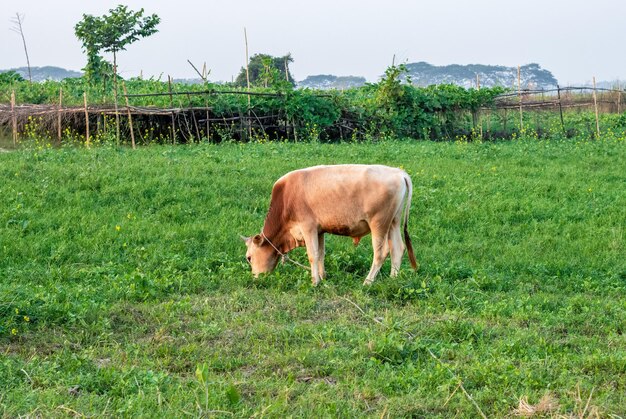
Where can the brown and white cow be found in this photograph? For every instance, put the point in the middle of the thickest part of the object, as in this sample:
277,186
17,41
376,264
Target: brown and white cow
348,200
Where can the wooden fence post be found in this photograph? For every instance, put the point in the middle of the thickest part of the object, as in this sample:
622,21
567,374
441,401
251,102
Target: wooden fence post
294,128
13,118
169,84
86,120
115,90
558,93
595,105
130,119
193,117
249,122
478,114
59,128
619,97
208,122
519,93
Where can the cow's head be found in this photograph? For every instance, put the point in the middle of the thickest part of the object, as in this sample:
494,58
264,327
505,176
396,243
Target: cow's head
261,255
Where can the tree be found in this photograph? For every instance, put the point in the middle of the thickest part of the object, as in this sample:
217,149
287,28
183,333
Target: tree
266,71
10,77
112,33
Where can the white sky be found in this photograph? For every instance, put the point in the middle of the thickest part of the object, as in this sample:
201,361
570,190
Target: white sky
575,39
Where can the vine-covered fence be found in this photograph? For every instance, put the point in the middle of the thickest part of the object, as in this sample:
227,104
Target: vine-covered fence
216,115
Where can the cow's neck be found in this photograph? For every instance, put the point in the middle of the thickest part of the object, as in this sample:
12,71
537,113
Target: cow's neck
281,238
275,227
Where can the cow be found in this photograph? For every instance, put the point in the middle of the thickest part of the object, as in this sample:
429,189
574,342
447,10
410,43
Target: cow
348,200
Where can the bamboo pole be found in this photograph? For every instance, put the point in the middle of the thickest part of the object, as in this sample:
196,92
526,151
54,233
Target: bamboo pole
537,117
245,34
480,120
86,120
519,93
619,97
558,93
130,118
222,92
117,114
18,20
208,122
184,118
13,118
169,86
295,129
103,117
59,127
595,105
193,118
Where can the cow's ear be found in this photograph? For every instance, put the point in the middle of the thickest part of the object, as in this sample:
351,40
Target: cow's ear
258,240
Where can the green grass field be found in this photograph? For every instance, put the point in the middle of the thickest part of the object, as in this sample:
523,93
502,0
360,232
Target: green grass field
124,290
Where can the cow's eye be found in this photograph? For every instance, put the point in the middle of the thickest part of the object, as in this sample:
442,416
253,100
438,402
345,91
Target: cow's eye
249,258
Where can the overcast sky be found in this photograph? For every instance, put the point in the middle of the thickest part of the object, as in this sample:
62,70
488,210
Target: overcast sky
575,39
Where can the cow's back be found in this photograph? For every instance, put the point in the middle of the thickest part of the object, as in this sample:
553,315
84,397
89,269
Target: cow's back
341,198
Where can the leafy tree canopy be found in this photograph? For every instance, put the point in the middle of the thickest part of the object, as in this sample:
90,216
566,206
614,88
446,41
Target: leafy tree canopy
266,70
9,77
112,33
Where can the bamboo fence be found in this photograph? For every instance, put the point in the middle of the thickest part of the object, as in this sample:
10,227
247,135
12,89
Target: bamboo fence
191,123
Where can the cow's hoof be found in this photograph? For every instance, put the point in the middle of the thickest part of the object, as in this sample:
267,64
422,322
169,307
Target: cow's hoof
367,282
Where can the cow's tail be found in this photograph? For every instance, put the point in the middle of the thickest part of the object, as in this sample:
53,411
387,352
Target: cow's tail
407,207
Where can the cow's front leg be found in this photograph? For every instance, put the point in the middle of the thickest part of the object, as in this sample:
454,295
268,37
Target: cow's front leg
312,250
321,251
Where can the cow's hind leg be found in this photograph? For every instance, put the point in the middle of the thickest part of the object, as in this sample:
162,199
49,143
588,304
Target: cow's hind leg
396,246
321,252
381,250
